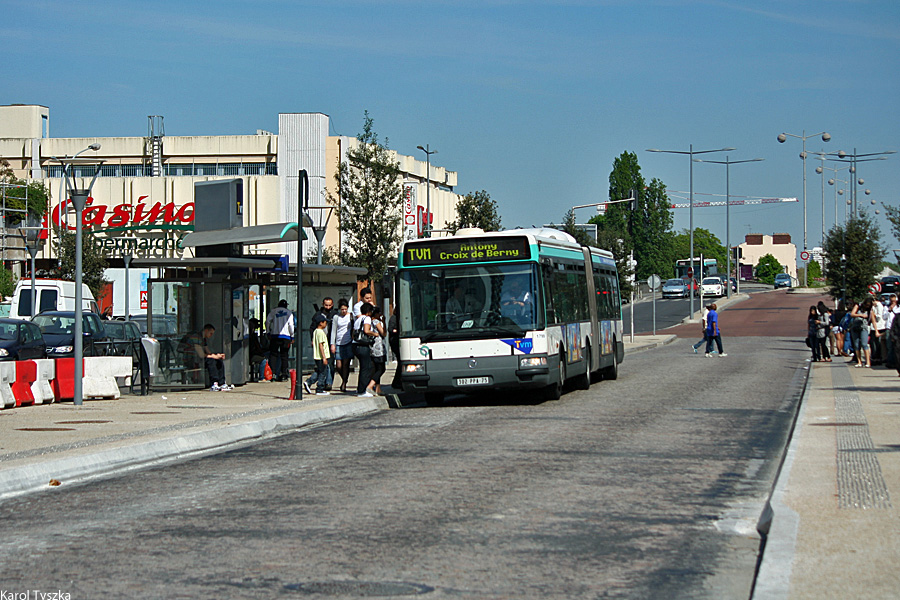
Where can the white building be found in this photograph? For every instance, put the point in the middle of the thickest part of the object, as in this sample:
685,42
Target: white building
143,197
757,245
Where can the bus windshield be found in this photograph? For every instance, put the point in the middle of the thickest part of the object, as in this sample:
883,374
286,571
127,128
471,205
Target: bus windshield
465,302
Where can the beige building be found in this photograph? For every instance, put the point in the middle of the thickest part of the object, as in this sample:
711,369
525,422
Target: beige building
143,196
757,245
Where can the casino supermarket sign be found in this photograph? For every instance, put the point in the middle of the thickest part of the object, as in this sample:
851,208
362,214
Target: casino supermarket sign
156,216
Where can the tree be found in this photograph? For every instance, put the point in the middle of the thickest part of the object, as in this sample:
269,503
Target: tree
706,244
369,204
893,215
23,195
7,282
648,219
476,209
853,255
766,269
813,273
93,261
609,237
569,226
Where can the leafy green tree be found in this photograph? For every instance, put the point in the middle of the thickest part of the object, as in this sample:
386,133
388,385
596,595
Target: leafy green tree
476,209
23,195
767,267
7,283
858,241
93,261
706,244
648,219
580,235
893,215
813,273
369,204
610,237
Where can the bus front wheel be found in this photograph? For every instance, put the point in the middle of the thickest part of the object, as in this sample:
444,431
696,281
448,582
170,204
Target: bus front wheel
554,390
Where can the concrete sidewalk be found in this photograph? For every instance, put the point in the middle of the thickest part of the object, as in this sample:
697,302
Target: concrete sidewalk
835,531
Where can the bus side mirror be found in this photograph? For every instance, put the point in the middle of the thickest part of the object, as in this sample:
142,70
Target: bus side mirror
549,271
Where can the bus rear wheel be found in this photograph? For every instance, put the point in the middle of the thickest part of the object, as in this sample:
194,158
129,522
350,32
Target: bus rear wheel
583,382
612,372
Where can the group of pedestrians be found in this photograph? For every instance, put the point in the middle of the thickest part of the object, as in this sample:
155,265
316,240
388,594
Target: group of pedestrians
868,332
343,334
709,319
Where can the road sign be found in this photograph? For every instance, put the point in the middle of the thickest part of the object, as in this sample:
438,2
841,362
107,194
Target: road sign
804,256
653,281
875,288
690,271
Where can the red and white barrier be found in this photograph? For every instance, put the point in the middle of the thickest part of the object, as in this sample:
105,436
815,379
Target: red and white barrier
41,389
26,375
7,379
100,374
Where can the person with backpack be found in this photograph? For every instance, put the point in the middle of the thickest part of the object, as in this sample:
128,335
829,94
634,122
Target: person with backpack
363,336
280,327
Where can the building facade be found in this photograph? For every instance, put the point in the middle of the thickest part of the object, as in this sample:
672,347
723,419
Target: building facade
757,245
142,201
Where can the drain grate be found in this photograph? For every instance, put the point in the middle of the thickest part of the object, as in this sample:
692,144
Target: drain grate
79,422
361,589
155,412
189,406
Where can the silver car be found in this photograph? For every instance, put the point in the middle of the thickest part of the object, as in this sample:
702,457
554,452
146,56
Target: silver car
674,288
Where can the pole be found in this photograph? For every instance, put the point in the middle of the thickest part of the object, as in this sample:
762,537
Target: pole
631,262
79,199
691,276
427,193
33,253
127,260
302,199
728,225
803,156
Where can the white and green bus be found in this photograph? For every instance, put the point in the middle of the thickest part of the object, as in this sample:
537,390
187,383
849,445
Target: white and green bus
519,309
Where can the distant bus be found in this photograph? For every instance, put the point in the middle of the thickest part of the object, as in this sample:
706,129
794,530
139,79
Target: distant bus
710,267
519,309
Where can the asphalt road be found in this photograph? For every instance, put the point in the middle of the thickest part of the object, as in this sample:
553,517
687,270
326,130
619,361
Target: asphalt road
645,487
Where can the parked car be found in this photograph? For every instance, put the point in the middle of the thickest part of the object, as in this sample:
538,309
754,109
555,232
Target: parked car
783,280
713,286
163,325
122,337
674,288
691,282
21,340
890,285
58,329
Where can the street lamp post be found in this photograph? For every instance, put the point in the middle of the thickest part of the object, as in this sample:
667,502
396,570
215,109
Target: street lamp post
79,199
691,152
428,152
728,162
31,232
853,159
782,138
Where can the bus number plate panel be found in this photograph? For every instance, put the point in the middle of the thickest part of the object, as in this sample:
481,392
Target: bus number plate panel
461,381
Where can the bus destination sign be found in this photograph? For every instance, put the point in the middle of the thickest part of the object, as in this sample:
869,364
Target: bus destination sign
466,250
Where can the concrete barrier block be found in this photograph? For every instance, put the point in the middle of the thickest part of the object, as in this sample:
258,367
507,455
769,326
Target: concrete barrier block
41,388
100,374
7,379
26,375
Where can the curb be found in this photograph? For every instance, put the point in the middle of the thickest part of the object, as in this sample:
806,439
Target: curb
30,478
642,347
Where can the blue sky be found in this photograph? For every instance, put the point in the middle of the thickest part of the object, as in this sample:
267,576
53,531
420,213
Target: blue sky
531,101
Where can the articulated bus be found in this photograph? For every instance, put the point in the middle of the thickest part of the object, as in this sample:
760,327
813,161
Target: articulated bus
519,309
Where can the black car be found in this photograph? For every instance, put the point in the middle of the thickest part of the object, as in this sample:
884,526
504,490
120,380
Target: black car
890,285
58,329
122,337
21,340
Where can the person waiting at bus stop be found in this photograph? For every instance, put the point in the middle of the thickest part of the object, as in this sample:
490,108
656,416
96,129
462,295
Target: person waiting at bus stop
280,327
213,361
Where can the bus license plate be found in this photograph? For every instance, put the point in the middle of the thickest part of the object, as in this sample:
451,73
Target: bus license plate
473,381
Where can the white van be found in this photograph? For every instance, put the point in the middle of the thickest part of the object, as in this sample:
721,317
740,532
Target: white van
52,294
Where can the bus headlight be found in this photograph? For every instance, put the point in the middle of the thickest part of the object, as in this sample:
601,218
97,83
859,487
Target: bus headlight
414,368
532,361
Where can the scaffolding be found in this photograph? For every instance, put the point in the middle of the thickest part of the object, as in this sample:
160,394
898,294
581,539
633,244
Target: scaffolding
12,239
